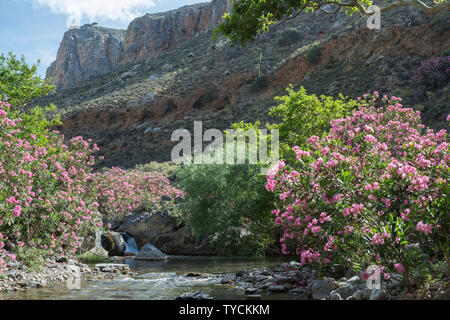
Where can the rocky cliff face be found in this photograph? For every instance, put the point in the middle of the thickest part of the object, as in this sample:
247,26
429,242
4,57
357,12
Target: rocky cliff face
154,33
84,53
91,51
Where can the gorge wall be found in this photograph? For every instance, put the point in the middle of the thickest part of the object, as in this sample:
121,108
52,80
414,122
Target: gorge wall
91,51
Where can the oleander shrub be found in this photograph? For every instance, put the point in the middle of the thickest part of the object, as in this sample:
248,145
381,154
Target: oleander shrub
432,73
368,192
46,192
122,192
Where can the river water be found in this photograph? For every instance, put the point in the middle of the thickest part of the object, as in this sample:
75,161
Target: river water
157,280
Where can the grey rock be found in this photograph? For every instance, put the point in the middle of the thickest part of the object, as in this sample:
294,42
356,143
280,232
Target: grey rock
276,288
302,293
148,99
345,291
132,104
113,243
359,295
198,295
128,75
98,251
320,289
335,296
240,273
378,294
227,279
150,252
112,267
148,130
165,232
155,76
167,67
353,281
443,295
250,290
146,124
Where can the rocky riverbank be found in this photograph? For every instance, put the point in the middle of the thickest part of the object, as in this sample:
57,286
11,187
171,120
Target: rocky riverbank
18,277
302,283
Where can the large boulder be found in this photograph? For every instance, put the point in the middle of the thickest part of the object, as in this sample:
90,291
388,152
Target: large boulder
104,241
165,232
150,252
113,243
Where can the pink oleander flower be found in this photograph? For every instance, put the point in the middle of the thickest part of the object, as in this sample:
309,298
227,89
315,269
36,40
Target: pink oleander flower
398,267
425,228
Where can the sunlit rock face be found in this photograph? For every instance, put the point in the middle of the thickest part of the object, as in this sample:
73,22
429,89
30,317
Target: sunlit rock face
84,53
154,33
91,51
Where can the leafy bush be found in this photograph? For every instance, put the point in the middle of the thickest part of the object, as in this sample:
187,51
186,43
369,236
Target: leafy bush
46,198
19,83
367,192
289,36
91,258
313,54
229,203
259,84
122,192
433,73
301,115
440,22
167,169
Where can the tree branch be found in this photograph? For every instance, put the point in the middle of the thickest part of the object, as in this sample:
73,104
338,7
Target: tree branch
418,4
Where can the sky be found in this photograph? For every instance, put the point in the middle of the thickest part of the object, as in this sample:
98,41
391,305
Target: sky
35,28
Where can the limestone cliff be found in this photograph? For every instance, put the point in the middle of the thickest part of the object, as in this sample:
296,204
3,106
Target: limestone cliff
91,51
154,33
84,53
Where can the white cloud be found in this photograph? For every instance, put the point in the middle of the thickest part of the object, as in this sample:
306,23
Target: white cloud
117,10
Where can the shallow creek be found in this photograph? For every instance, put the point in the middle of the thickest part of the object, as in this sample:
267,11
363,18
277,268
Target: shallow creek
165,279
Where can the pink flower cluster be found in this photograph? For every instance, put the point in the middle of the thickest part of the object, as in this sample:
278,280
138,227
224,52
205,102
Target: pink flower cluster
40,184
49,195
364,191
121,192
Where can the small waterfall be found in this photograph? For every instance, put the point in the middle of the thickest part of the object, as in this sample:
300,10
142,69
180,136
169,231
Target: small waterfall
131,248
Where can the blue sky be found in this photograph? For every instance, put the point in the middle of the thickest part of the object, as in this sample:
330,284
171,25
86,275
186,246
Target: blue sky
35,28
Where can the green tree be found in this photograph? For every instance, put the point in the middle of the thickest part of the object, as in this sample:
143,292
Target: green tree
250,17
300,115
229,203
19,83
